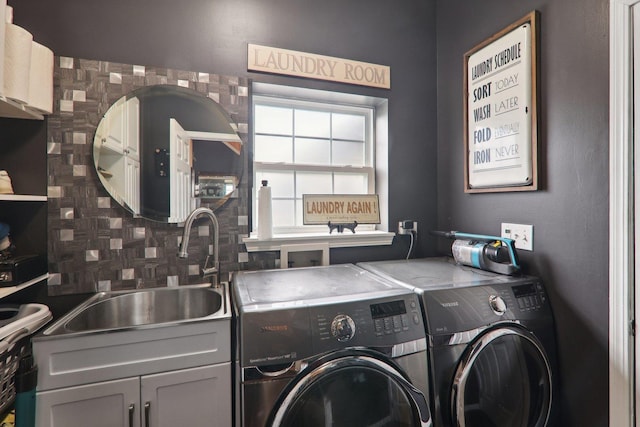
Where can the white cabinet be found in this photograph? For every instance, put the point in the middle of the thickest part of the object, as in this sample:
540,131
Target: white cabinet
182,201
106,404
118,154
131,194
195,397
115,126
132,130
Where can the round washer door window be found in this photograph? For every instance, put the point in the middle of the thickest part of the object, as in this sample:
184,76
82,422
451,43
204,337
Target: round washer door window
351,391
503,380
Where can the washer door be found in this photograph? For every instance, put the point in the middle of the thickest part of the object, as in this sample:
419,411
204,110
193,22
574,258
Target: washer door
351,388
503,380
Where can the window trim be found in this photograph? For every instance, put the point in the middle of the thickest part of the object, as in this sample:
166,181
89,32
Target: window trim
366,234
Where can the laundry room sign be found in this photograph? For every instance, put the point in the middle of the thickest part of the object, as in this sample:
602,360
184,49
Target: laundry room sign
501,110
320,67
340,208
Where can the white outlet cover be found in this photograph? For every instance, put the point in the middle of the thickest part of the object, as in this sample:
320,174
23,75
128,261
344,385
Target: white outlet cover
521,233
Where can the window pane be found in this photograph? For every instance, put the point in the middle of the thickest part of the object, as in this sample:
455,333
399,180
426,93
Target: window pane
313,183
313,151
281,183
273,149
348,153
282,212
350,183
348,126
313,123
276,120
299,214
313,141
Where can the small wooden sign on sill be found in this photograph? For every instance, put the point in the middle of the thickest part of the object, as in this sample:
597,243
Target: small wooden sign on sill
340,211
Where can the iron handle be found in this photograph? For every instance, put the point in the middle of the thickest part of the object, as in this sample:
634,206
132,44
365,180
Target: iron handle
132,409
147,414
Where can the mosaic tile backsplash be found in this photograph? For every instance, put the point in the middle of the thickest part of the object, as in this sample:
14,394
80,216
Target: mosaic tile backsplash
96,245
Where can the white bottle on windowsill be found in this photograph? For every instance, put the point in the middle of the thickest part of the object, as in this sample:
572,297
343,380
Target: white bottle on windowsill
265,219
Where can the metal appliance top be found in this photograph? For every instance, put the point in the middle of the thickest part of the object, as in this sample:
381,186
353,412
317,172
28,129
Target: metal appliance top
434,273
308,286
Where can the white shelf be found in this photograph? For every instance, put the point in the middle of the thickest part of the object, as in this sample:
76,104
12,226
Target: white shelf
12,289
22,198
338,240
15,110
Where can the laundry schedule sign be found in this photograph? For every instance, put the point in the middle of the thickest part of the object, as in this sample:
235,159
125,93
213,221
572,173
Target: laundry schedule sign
500,111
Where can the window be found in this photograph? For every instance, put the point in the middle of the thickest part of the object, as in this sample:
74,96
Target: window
315,142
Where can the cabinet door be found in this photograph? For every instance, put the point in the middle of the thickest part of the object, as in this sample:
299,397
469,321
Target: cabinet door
197,397
116,126
105,404
181,193
132,184
132,131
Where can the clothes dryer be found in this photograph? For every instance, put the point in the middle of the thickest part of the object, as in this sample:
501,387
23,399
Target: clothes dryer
491,343
328,346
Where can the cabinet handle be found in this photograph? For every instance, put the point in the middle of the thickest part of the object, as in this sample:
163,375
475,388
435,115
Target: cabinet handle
147,414
132,409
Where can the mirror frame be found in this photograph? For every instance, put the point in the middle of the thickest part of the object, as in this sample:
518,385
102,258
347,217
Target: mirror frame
150,137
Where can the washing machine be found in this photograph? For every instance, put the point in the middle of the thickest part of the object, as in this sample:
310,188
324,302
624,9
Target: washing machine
328,346
491,343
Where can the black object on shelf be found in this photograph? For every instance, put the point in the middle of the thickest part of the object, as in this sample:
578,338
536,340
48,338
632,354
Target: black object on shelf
19,269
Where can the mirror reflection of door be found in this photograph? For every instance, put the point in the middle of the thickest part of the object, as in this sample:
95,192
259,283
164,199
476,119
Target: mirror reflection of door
181,201
116,153
140,170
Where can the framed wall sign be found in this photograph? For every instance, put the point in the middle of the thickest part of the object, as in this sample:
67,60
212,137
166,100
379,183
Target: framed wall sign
340,208
501,110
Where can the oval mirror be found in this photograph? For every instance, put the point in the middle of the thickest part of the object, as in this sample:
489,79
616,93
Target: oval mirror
161,151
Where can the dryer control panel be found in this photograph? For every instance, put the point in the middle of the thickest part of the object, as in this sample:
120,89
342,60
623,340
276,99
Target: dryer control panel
468,308
530,296
378,323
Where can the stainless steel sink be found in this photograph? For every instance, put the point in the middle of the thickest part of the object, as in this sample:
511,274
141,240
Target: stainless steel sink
107,311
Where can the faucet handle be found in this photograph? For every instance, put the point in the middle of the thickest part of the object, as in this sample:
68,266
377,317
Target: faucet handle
209,271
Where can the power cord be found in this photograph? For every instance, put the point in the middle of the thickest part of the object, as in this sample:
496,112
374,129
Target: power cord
411,228
414,236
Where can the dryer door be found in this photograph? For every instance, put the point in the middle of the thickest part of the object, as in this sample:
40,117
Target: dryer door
351,388
503,380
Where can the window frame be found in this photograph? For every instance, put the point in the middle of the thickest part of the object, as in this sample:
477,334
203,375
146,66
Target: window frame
368,112
366,235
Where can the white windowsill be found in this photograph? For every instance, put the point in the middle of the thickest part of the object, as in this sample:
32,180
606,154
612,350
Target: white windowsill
346,239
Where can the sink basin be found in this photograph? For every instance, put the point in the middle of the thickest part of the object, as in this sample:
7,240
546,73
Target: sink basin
142,308
124,334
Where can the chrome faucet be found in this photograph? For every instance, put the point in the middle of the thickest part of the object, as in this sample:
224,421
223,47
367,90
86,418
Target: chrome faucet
182,252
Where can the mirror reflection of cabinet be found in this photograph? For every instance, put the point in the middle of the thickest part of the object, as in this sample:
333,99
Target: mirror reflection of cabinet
151,167
181,190
117,153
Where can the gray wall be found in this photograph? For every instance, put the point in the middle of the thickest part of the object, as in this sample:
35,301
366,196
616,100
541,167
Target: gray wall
570,212
212,36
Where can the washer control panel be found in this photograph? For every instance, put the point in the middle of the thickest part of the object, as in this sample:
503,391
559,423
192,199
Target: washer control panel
381,322
530,296
392,316
497,304
343,328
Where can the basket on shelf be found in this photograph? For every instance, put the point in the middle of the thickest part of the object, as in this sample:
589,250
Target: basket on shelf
16,327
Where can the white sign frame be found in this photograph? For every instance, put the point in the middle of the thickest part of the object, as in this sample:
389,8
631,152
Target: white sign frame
318,209
287,62
501,110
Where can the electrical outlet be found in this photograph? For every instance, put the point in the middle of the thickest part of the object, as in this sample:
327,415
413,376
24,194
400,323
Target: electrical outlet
521,233
407,226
